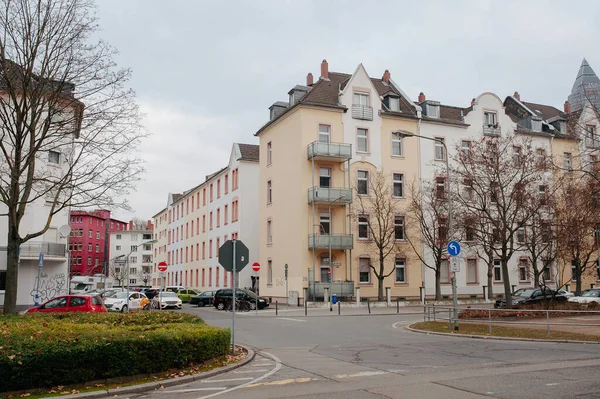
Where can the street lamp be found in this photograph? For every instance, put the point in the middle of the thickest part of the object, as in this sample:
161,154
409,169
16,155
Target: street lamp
330,259
402,133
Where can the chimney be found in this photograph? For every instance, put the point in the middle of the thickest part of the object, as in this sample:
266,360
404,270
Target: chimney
421,98
149,225
567,107
131,225
473,102
386,76
517,95
324,69
309,79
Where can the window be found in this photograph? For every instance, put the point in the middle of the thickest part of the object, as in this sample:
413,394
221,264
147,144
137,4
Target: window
400,270
270,272
234,179
118,247
521,235
324,134
394,104
397,184
133,270
54,157
545,232
471,271
203,249
203,223
90,247
442,229
468,189
439,149
90,233
465,148
226,191
490,119
523,275
542,193
234,211
364,270
325,223
210,247
363,227
269,232
516,156
97,248
203,196
211,192
218,217
444,272
269,153
218,246
547,274
210,221
134,248
399,228
574,270
362,178
567,161
325,177
361,99
269,192
362,140
440,187
89,260
469,231
396,144
225,217
497,270
540,157
219,188
494,194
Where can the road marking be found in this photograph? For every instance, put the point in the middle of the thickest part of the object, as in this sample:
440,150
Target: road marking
263,364
552,384
227,380
282,382
249,371
193,390
395,325
360,374
262,377
290,319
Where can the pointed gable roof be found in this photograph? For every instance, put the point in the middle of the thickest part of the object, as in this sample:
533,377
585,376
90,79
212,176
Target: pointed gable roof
586,87
585,76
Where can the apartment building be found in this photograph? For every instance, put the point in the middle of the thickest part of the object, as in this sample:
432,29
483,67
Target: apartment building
89,250
132,256
319,151
197,222
159,248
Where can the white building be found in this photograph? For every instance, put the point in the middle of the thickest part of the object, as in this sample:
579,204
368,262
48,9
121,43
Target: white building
132,259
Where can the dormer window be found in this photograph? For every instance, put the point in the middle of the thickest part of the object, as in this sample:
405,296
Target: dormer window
432,109
536,125
291,100
393,103
491,119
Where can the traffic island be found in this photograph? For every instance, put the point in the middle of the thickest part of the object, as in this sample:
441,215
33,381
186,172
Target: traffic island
475,330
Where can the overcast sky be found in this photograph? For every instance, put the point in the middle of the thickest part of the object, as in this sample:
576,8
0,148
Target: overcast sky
206,72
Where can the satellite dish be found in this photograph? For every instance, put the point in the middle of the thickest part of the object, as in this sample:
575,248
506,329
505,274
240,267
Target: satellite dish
64,231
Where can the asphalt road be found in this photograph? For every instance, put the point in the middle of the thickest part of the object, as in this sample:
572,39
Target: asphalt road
358,356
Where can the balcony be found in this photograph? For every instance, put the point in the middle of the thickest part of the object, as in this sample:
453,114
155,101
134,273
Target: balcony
51,250
491,130
363,112
326,195
333,241
592,142
329,151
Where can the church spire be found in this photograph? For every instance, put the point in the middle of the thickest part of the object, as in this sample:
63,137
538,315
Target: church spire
585,88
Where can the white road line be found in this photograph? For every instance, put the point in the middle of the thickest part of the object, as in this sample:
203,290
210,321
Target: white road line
263,364
193,390
270,373
226,380
249,371
290,319
361,374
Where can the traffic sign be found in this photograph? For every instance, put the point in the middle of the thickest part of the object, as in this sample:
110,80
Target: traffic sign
162,266
256,266
454,264
453,248
41,261
226,255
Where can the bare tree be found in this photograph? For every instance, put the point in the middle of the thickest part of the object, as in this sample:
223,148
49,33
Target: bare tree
379,210
139,224
499,169
68,124
117,271
428,210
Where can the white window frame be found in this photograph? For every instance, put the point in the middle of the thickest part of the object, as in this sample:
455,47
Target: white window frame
269,272
471,262
360,272
363,99
269,192
363,220
396,103
324,133
465,148
444,271
490,118
269,153
398,179
362,137
269,232
325,218
54,157
400,263
439,149
497,266
364,179
399,221
523,268
327,174
397,145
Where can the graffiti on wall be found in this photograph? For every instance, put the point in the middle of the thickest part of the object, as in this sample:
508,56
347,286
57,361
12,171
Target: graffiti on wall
50,286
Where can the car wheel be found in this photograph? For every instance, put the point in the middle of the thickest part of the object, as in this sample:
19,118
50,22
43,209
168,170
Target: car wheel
124,308
252,305
201,304
220,306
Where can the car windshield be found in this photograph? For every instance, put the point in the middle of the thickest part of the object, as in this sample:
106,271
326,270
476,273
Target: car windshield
80,287
119,295
169,294
591,293
251,294
524,292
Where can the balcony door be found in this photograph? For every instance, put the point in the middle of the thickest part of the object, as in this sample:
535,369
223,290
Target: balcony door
324,269
325,223
324,177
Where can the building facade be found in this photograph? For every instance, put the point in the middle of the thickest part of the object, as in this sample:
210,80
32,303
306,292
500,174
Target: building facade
132,256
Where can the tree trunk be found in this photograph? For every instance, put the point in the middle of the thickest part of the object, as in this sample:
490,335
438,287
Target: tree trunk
490,281
381,275
506,281
578,279
438,285
12,271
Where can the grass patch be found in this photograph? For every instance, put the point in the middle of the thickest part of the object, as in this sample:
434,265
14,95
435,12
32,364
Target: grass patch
502,331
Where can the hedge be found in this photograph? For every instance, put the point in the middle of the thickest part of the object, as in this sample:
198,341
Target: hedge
44,350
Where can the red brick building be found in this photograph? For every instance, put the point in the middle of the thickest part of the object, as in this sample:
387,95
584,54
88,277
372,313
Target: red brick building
89,241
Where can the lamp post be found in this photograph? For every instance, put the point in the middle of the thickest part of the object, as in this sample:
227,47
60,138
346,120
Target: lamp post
450,226
330,260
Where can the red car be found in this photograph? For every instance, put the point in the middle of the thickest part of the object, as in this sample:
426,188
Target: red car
71,303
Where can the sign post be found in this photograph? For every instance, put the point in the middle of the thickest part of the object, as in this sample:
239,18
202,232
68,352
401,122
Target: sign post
162,268
454,251
287,293
233,256
256,269
36,301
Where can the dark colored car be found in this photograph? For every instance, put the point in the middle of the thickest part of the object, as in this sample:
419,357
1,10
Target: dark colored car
71,303
223,297
203,299
530,296
150,292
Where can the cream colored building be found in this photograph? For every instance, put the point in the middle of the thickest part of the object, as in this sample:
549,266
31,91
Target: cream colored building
317,149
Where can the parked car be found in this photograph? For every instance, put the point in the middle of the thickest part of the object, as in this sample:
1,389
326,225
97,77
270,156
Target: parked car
587,297
565,293
71,303
174,288
165,300
529,296
186,294
223,297
119,303
150,292
203,299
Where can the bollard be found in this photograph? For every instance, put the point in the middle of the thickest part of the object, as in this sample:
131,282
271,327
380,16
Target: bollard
398,305
548,321
449,319
490,321
339,308
305,307
434,312
276,310
369,305
425,310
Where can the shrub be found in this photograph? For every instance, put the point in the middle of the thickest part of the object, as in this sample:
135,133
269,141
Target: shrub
43,350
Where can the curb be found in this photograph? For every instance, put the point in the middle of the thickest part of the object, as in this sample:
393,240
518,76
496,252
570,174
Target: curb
155,385
484,337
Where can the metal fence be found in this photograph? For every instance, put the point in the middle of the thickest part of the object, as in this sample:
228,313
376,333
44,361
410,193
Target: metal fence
431,312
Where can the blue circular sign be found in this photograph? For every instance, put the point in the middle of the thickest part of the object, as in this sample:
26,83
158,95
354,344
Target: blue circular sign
453,248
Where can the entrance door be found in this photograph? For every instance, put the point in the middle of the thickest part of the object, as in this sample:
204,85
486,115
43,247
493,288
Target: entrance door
324,269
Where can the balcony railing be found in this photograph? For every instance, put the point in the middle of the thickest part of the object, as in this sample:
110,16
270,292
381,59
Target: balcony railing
333,241
341,151
326,195
491,130
363,112
592,142
49,249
